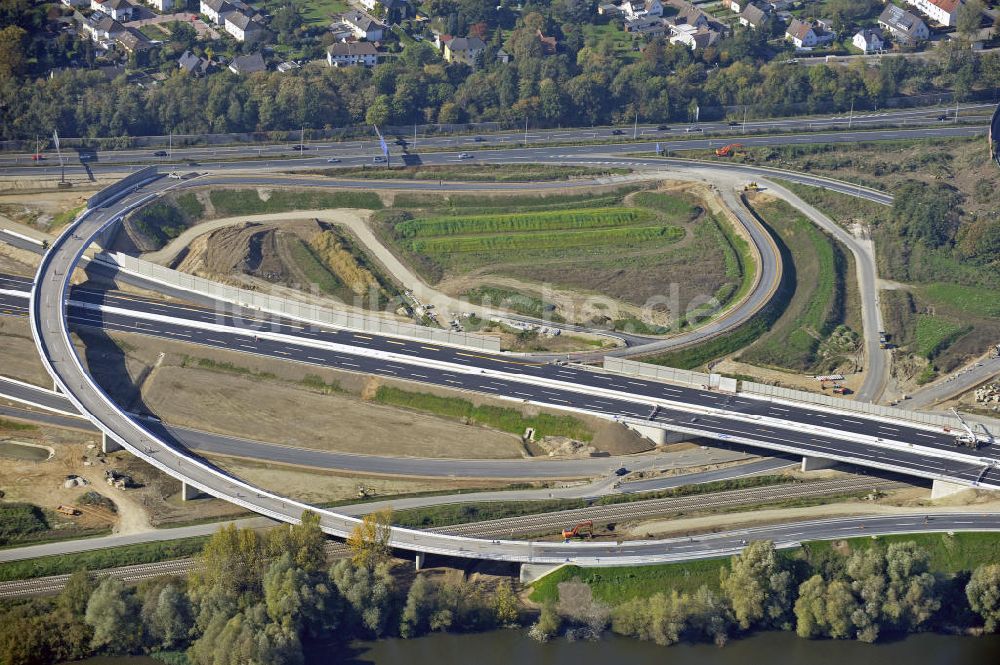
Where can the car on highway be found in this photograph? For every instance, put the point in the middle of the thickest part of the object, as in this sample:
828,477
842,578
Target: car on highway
378,159
465,155
174,175
300,147
87,156
478,139
942,117
37,157
617,132
693,129
160,153
662,128
733,123
333,160
621,471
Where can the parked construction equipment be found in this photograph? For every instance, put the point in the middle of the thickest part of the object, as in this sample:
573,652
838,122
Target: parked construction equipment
970,439
578,530
751,187
67,510
727,150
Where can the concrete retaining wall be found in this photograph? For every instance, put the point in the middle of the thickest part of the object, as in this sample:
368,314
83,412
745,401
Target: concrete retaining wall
293,309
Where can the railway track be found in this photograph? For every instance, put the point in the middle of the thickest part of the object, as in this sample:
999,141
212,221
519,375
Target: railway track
624,512
509,526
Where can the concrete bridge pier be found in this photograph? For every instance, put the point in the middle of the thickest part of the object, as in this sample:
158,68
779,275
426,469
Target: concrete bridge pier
419,560
658,435
943,488
109,445
189,492
816,463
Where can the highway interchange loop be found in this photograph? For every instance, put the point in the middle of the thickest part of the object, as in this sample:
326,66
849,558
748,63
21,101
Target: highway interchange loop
50,318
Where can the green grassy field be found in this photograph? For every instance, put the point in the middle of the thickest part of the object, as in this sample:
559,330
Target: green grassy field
466,204
973,300
555,220
190,206
501,418
935,333
248,201
21,521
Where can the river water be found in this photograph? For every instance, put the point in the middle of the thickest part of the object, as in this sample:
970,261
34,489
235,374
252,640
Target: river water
513,647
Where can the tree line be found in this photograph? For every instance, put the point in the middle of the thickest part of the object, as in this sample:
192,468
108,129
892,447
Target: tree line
863,596
586,82
269,599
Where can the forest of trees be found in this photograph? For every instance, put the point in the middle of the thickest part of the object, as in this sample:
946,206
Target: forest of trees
271,598
580,85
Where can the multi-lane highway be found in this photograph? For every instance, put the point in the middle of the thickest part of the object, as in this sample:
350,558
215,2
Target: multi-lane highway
597,155
673,137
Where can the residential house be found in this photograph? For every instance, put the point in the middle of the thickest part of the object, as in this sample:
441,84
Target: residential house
753,16
906,28
735,6
194,65
103,29
133,41
76,3
464,49
651,25
119,10
686,14
549,44
364,26
214,9
944,12
288,66
869,40
349,54
247,64
604,9
393,11
634,9
807,35
779,5
503,56
341,32
244,28
692,37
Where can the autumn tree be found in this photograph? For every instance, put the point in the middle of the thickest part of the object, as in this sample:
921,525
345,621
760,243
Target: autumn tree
369,541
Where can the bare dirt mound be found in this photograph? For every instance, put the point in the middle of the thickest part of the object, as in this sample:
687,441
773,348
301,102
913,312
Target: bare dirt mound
616,439
253,249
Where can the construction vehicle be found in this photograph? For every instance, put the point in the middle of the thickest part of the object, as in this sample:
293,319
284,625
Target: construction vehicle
727,150
751,187
883,341
578,530
67,510
970,439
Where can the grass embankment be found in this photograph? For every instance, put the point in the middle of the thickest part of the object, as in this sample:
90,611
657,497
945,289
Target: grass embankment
950,555
463,513
817,306
507,203
14,426
501,418
111,557
250,202
20,522
476,173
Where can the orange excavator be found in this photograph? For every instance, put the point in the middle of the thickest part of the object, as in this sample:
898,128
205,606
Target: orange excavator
578,530
728,150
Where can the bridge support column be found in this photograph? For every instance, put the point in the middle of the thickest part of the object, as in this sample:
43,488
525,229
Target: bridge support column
654,434
109,445
419,560
816,463
943,488
189,492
